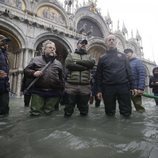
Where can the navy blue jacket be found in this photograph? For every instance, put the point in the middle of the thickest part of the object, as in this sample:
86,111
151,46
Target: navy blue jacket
138,73
4,82
113,69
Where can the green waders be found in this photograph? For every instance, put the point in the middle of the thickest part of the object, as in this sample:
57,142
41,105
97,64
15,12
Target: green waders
137,101
40,105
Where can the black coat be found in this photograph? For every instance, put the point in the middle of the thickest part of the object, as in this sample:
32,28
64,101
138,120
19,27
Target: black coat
152,83
113,69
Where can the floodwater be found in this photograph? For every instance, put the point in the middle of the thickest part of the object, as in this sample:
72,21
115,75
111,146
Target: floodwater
22,136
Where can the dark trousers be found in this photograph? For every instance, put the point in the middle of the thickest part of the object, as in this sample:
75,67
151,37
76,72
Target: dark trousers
120,93
4,103
97,101
27,98
64,99
80,100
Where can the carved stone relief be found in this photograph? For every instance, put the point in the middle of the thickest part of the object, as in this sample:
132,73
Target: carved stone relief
89,28
51,14
19,4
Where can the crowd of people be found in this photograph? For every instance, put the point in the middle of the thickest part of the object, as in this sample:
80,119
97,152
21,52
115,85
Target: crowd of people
118,77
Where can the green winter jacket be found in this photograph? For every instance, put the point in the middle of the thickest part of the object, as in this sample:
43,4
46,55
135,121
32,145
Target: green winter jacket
78,68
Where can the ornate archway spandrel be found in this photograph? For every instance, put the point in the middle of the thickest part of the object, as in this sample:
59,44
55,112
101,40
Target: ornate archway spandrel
52,14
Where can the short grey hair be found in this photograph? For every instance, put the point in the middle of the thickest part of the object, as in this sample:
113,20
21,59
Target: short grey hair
45,43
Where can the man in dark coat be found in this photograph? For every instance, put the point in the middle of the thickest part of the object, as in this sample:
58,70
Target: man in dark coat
4,77
113,79
153,83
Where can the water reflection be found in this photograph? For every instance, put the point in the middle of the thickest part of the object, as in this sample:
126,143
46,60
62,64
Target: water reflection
79,137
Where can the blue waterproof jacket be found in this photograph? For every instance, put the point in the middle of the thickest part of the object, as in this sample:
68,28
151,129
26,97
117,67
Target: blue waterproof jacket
139,73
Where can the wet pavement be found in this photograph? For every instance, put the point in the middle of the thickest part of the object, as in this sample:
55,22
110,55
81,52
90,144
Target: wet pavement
22,136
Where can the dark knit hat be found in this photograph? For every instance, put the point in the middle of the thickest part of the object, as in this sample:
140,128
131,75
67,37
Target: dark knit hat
128,50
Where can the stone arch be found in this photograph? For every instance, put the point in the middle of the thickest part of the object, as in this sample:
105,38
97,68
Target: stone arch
96,49
16,44
19,4
52,10
63,47
134,46
85,13
15,53
87,24
28,4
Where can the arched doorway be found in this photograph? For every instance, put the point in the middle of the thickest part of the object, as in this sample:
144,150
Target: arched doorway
96,50
62,48
13,50
14,57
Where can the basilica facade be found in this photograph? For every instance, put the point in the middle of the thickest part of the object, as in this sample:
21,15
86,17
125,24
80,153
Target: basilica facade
28,23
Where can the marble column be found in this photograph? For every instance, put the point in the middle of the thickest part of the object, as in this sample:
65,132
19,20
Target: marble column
14,83
26,56
20,72
11,82
21,59
18,84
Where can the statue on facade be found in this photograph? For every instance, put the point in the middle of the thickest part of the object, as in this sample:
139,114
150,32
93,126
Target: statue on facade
68,5
2,1
19,4
46,12
14,3
92,8
11,2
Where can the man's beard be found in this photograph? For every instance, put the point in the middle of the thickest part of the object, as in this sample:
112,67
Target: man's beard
50,56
